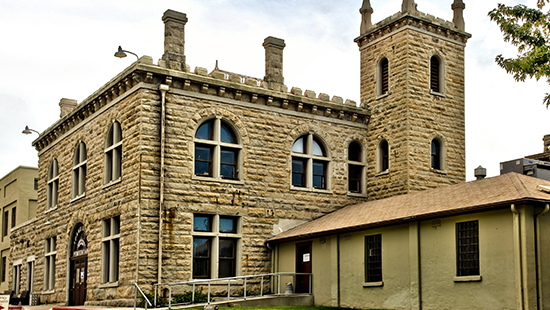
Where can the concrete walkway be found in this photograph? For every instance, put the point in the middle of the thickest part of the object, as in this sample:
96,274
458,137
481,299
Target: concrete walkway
63,307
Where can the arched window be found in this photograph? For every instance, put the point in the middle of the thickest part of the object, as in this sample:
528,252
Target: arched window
309,163
383,160
436,154
383,77
217,151
113,153
356,168
79,170
53,184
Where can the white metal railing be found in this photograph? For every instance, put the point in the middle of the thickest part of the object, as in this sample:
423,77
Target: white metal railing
245,280
136,290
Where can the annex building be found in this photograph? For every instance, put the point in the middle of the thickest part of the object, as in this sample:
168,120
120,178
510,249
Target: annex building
166,174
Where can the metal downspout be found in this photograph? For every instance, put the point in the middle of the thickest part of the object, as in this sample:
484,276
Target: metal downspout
163,89
539,259
517,254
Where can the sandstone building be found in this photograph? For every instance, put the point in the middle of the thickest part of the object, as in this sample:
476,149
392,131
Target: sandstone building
167,174
18,200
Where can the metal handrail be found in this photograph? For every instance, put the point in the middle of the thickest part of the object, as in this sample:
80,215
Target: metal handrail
136,289
208,282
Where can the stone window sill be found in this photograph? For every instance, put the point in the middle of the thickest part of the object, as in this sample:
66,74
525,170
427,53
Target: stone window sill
309,189
78,197
437,93
468,279
373,284
50,209
48,292
112,183
212,179
360,195
387,171
438,171
384,95
108,284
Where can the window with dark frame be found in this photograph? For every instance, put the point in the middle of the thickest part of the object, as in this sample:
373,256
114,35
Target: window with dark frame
436,154
217,150
309,163
49,263
434,74
467,250
211,232
373,258
13,217
4,261
5,223
383,156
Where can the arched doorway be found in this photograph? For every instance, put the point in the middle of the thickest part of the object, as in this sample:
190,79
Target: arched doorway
78,266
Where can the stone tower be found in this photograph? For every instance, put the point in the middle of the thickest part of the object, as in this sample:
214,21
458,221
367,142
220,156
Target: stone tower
412,78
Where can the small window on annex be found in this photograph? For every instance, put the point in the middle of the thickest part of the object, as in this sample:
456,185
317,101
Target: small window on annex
113,154
356,168
373,258
52,184
79,170
310,163
383,77
216,242
383,156
217,151
436,151
467,249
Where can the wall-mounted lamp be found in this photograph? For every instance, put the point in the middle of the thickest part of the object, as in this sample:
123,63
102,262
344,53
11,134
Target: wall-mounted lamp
28,131
122,53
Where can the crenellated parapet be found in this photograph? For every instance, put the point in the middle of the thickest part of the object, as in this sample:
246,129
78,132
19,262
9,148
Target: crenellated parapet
418,20
216,86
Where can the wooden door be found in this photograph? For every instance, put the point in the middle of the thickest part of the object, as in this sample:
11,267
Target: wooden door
79,276
303,264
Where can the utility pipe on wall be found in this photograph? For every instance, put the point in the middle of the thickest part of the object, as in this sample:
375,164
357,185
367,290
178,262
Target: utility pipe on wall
517,254
163,89
539,259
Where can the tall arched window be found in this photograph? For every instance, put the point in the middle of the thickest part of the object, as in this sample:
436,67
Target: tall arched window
309,163
356,168
79,170
383,77
53,184
383,158
113,153
217,151
436,154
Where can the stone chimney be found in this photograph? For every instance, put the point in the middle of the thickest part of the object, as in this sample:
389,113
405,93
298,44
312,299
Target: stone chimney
458,18
546,140
174,39
366,12
66,106
274,63
480,173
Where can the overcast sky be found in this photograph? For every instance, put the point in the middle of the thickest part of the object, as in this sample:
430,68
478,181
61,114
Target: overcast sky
64,49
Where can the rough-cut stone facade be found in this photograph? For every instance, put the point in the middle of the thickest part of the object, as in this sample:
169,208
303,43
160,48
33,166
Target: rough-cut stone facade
159,108
410,115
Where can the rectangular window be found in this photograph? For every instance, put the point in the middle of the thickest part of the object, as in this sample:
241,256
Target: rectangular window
215,246
203,160
4,261
228,163
467,248
13,217
319,174
110,249
373,258
49,266
299,172
35,184
5,223
16,279
354,178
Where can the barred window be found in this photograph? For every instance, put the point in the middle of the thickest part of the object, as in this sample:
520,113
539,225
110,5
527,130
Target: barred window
373,258
383,77
467,250
434,74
